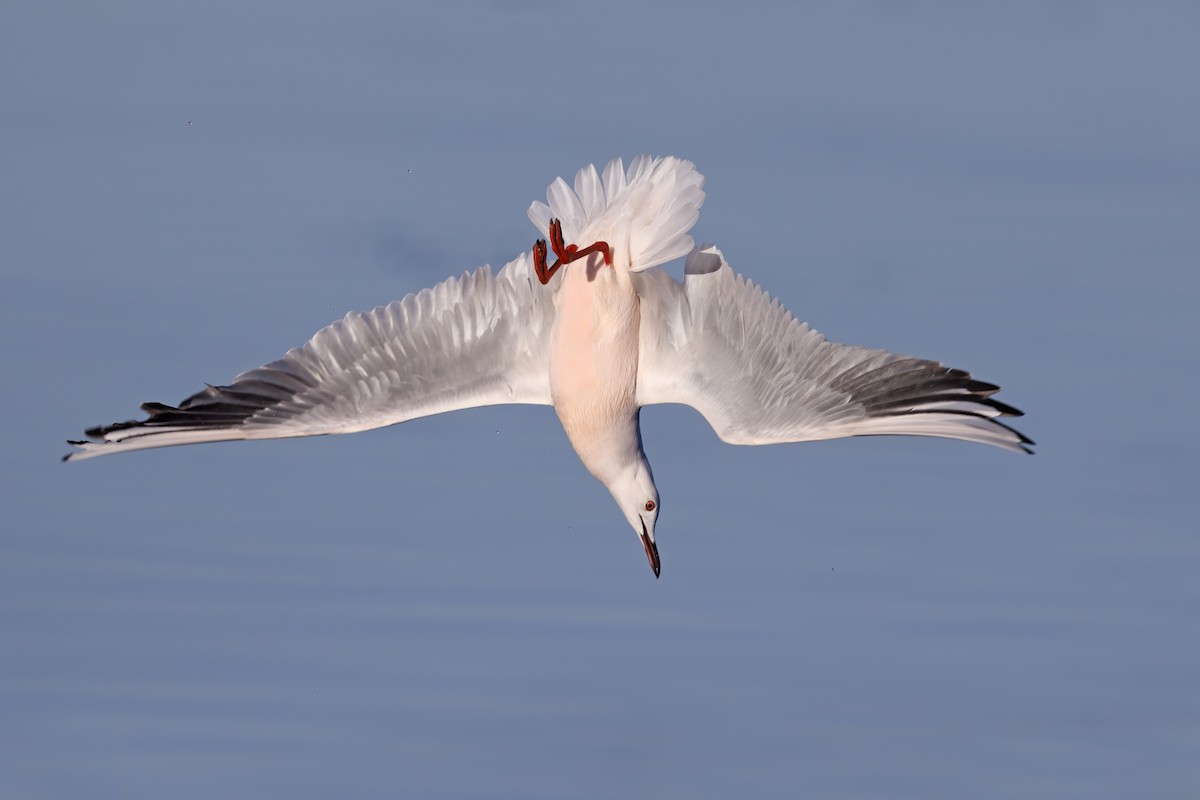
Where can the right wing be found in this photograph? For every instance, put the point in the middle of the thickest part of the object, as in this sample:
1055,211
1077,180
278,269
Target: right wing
722,345
478,340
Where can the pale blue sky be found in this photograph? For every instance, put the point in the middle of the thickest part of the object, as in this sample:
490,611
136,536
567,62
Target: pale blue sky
453,608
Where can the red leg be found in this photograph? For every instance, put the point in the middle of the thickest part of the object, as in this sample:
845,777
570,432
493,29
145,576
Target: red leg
566,252
594,247
570,252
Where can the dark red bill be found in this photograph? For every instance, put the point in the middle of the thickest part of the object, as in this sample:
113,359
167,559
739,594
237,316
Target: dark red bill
651,551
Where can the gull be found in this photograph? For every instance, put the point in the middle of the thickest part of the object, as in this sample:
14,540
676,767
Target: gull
598,334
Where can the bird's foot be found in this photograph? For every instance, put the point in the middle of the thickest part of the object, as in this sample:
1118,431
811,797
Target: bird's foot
566,253
539,262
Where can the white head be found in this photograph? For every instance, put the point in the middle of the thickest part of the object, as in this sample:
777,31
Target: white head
634,491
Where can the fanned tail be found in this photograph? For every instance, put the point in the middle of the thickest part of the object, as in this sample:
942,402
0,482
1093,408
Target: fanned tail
643,213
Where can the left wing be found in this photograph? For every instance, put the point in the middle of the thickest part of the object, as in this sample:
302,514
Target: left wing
759,376
478,340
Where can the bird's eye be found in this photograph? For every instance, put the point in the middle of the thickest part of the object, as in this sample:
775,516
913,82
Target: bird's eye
649,505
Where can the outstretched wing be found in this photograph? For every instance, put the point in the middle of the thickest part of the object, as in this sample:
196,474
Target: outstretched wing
759,376
478,340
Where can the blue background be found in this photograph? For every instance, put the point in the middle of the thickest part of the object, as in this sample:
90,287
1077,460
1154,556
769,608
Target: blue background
453,608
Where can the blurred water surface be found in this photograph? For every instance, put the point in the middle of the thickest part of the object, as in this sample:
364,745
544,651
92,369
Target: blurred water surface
454,608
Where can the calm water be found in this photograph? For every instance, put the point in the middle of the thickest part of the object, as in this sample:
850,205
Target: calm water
454,608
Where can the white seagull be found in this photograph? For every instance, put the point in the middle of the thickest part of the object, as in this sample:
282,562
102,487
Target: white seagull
612,333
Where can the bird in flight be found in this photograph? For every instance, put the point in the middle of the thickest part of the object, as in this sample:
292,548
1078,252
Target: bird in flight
597,334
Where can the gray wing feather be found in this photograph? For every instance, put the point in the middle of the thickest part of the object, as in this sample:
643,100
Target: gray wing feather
478,340
759,376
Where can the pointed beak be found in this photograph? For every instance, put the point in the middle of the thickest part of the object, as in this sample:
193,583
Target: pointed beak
651,550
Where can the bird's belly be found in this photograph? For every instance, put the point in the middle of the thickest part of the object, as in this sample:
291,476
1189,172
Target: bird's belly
593,366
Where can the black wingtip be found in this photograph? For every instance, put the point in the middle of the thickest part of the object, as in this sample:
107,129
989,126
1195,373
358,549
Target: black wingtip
1023,441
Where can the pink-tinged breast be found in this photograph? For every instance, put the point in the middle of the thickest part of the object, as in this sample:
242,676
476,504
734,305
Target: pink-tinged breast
593,366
